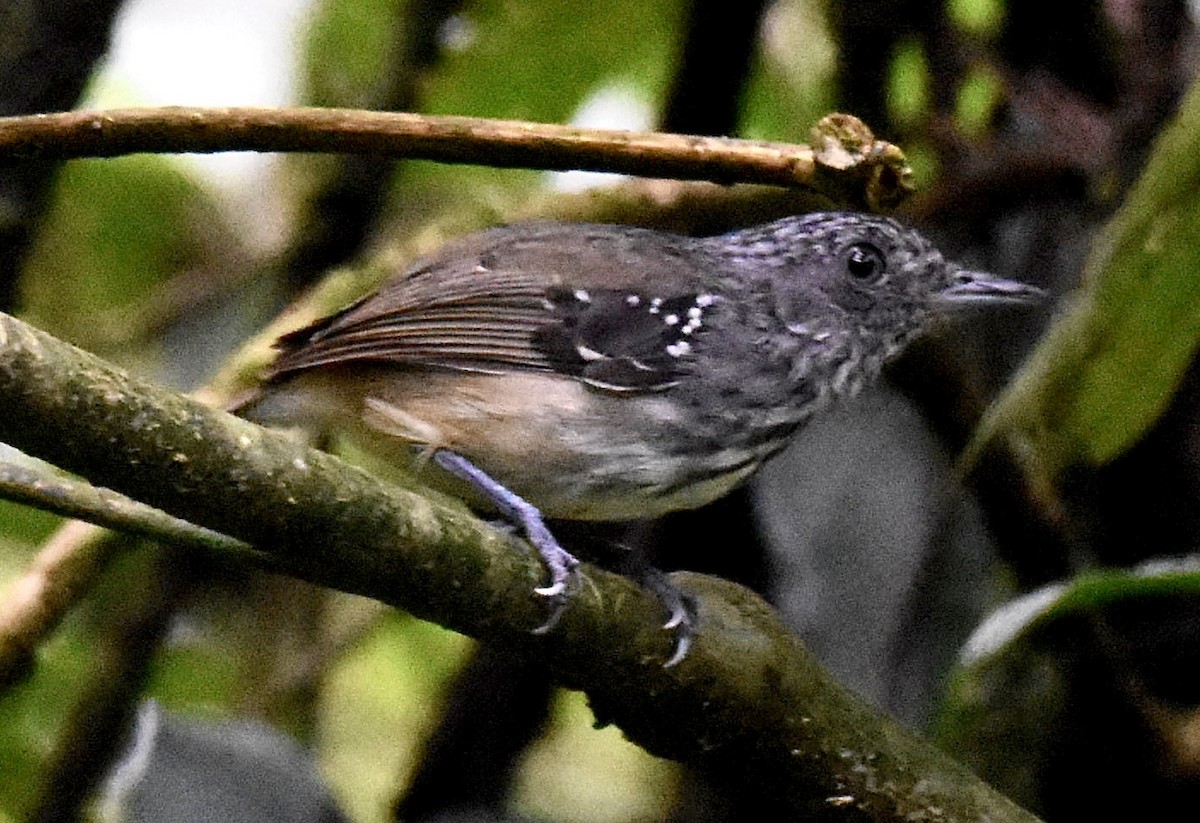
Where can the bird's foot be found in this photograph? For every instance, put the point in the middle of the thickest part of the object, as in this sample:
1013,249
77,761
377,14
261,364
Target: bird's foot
562,565
681,610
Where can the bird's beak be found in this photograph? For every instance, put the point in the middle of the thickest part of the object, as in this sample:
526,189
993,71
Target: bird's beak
970,288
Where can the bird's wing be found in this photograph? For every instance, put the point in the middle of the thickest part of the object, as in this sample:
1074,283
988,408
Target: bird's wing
618,308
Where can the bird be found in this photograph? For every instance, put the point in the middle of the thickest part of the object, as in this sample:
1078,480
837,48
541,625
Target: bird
555,370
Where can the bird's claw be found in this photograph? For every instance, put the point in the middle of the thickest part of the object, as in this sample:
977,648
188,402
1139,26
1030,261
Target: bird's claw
683,645
555,589
564,574
683,624
556,611
679,616
681,612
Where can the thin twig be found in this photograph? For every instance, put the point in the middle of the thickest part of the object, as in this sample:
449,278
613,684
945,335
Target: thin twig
69,497
845,160
35,603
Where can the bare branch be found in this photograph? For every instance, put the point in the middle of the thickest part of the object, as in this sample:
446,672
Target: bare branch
73,498
846,161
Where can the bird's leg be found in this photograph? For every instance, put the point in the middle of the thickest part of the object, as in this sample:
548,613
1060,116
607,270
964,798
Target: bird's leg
561,563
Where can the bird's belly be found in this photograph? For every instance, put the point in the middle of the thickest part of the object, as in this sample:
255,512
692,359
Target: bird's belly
572,451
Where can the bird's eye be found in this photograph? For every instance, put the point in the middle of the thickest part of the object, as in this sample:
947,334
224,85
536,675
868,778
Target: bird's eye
865,262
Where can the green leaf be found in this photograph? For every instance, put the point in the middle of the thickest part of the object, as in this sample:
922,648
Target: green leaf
1109,366
1090,590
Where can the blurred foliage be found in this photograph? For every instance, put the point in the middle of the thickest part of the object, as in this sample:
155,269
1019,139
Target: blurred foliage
977,100
538,61
908,89
378,703
349,50
979,17
23,529
576,770
791,80
116,232
36,710
1001,706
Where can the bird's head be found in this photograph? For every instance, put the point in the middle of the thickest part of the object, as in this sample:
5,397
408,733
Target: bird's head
861,279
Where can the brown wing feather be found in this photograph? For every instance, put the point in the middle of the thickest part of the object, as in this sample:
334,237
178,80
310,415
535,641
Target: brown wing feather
491,301
427,335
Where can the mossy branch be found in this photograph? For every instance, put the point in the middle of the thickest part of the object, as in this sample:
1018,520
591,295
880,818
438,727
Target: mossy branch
38,487
748,700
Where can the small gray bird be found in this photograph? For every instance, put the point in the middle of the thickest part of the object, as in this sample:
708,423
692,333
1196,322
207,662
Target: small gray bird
602,372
